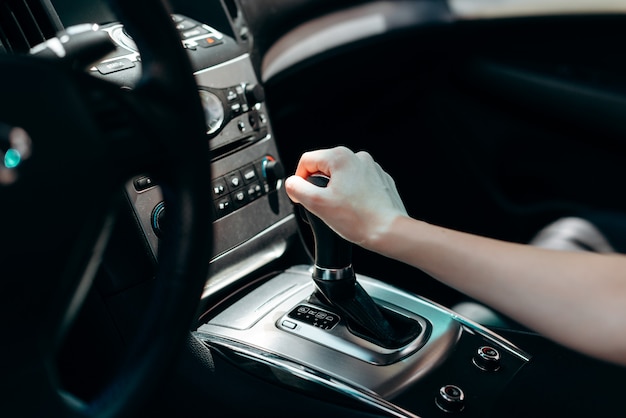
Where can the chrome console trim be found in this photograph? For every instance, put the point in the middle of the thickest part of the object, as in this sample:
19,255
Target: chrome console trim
340,338
333,274
252,327
356,363
232,349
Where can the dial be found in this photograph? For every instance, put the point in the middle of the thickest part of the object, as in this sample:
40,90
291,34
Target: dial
213,111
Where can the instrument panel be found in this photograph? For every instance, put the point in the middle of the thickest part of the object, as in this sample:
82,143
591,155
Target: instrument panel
253,217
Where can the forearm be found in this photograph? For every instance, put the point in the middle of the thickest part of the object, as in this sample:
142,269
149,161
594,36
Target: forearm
576,299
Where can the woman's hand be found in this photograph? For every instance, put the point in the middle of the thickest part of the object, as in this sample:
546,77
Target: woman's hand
361,200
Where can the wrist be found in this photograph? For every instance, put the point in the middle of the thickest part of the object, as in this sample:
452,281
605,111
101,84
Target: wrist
382,238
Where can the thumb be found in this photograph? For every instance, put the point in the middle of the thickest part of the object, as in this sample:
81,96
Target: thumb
299,190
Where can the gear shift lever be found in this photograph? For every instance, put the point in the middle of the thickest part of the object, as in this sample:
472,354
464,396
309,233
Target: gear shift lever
337,286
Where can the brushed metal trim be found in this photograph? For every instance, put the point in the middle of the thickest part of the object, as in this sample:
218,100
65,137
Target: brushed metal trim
234,272
333,358
265,335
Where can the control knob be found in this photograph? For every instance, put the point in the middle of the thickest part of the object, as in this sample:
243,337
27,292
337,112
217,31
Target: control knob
487,358
450,398
273,172
254,94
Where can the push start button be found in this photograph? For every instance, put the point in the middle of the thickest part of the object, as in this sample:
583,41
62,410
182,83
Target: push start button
450,398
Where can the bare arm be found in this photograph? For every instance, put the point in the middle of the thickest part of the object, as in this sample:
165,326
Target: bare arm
576,299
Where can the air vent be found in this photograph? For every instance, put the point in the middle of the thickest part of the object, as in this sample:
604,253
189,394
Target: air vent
26,23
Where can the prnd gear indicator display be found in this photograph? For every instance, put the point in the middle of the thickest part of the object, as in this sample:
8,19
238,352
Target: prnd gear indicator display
313,316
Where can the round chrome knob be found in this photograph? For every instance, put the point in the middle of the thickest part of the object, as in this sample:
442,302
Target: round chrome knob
487,358
450,398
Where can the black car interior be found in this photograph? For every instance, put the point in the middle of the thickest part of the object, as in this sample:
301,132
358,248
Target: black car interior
153,265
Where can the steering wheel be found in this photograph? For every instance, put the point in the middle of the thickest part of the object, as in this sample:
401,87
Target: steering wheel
70,142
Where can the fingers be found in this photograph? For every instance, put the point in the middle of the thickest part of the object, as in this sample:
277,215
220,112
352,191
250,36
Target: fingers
313,162
297,189
360,199
324,161
309,195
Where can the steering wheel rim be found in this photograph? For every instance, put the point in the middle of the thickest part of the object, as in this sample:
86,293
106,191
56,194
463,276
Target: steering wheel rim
166,119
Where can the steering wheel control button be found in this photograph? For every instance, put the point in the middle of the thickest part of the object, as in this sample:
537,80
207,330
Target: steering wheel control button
313,316
487,358
450,398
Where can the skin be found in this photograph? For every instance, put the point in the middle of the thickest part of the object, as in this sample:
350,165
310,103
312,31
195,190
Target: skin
577,299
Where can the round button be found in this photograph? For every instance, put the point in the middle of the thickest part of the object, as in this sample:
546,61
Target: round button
487,358
450,398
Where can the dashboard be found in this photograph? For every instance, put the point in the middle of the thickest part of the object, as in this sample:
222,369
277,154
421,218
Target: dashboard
252,215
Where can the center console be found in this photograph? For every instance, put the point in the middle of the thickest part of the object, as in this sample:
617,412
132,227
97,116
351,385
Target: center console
278,332
361,339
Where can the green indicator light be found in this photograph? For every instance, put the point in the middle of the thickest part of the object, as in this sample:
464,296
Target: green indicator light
12,158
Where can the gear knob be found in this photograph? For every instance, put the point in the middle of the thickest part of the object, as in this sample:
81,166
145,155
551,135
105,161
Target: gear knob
337,285
331,251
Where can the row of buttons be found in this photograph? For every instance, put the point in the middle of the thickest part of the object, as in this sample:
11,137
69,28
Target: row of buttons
230,192
239,187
